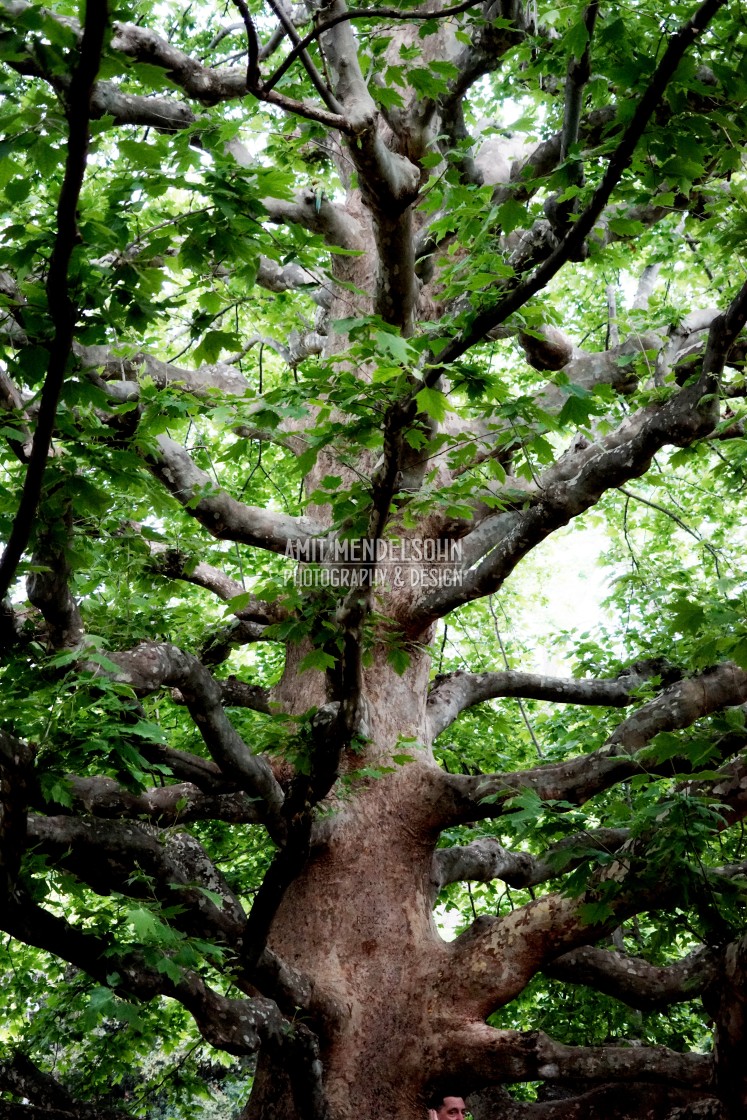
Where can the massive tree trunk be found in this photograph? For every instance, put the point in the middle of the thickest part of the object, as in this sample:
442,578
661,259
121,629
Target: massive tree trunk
336,973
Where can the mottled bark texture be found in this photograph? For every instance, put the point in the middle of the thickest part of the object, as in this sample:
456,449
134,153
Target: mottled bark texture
338,975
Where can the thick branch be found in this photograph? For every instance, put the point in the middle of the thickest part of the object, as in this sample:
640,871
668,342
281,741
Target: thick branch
645,986
16,761
164,805
486,859
493,1056
496,957
222,515
106,854
458,691
580,778
151,665
327,218
577,481
389,182
48,585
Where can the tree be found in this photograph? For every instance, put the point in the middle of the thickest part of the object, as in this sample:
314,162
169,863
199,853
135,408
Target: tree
241,757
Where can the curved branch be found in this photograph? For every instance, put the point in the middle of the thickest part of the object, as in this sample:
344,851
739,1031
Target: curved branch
238,1026
106,854
495,958
151,665
327,218
454,693
486,859
645,986
174,564
580,778
224,516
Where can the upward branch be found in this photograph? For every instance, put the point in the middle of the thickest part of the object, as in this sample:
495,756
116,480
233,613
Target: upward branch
576,481
574,239
62,311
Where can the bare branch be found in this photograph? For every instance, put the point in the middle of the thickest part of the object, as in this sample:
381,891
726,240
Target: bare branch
281,278
484,860
327,218
642,985
389,182
222,515
458,691
223,377
164,805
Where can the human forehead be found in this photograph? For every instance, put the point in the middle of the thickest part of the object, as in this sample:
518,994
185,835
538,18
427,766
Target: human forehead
455,1103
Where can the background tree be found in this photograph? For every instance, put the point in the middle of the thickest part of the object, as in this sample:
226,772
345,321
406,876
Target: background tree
279,284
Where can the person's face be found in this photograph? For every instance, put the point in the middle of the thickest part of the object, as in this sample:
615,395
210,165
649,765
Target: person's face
453,1108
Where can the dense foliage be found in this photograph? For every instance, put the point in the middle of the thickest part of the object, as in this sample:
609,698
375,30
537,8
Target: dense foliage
471,276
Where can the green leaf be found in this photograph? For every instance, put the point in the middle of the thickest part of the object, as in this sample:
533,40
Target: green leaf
512,215
399,659
595,913
317,659
214,343
433,402
393,344
145,926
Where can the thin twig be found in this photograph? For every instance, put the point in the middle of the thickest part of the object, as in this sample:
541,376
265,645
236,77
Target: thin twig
677,520
522,709
361,13
613,334
318,82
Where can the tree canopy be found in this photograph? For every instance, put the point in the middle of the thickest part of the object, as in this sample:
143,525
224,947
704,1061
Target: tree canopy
337,345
